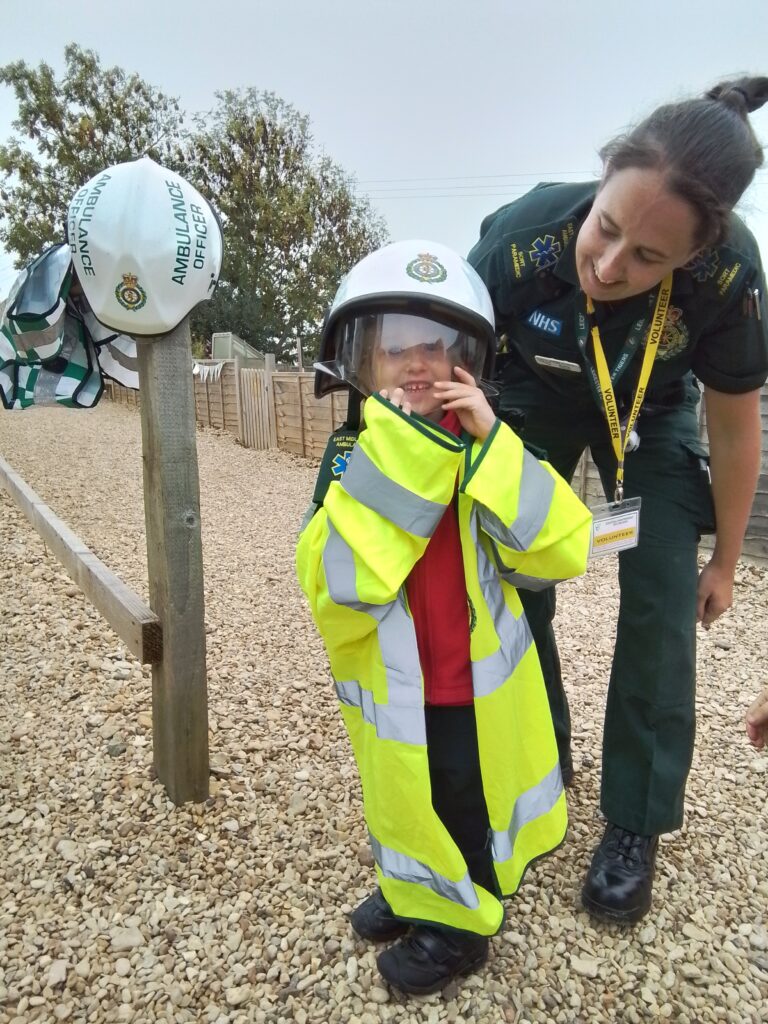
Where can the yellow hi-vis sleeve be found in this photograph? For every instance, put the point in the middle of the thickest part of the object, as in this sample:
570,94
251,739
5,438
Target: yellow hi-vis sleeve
538,528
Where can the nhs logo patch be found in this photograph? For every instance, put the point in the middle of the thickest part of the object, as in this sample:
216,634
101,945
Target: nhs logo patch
546,324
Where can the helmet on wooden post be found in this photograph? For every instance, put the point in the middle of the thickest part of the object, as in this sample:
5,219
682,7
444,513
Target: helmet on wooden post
146,246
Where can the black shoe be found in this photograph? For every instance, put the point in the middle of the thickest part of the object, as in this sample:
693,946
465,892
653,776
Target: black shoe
429,958
619,882
374,920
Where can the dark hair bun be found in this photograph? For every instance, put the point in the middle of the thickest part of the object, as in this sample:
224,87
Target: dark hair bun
744,95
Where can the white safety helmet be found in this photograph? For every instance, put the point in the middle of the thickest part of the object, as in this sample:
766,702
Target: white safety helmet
403,295
146,246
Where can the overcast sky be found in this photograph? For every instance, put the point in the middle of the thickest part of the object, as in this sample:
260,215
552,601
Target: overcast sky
441,110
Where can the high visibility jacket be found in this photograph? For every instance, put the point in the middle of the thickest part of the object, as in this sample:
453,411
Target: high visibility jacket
520,525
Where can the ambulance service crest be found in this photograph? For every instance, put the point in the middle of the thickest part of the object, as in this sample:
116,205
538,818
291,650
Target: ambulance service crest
674,337
130,294
545,252
426,268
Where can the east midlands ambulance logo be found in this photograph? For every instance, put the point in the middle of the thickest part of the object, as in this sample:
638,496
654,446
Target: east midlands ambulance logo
339,464
675,336
704,265
545,252
130,294
426,268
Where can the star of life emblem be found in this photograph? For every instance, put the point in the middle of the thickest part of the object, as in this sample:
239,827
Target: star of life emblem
704,265
339,463
545,252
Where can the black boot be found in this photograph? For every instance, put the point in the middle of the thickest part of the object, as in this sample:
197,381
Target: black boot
374,920
619,882
429,958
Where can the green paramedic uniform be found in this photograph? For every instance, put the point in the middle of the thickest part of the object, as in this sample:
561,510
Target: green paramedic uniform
520,525
715,329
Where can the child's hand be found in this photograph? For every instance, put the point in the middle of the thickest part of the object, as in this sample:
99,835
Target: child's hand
397,399
468,401
757,721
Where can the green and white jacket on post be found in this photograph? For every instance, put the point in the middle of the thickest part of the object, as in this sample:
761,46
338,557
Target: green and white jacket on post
520,525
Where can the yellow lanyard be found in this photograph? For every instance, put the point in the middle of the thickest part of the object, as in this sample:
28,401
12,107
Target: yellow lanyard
620,439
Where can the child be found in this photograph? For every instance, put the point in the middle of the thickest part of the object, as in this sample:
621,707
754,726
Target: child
410,568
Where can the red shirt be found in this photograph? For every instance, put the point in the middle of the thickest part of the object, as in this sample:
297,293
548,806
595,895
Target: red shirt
437,596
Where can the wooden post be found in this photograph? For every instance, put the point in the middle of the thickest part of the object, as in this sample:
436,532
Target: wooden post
239,399
207,404
301,416
175,563
269,369
221,399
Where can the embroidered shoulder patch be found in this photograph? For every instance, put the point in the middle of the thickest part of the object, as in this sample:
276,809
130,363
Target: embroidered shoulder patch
545,252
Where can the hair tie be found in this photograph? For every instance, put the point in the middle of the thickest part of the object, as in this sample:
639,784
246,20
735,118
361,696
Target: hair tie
741,92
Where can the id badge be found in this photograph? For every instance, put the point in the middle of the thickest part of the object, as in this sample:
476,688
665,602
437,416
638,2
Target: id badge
615,527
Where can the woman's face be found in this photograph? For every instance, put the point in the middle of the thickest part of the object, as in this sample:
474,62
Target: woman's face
636,233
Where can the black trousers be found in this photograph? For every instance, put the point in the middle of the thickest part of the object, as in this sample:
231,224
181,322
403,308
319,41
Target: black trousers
457,787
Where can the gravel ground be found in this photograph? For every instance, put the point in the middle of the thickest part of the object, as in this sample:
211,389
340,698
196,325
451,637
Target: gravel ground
117,906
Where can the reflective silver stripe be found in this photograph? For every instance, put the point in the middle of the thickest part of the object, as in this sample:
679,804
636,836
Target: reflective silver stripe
365,482
515,637
533,804
519,579
536,489
339,568
402,717
400,654
407,869
404,724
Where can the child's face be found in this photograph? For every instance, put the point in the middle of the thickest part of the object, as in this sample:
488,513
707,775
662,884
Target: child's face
414,358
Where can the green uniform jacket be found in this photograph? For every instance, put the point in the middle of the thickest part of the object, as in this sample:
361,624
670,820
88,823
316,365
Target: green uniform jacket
520,525
526,258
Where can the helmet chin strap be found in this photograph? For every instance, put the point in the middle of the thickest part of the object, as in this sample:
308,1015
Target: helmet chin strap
352,422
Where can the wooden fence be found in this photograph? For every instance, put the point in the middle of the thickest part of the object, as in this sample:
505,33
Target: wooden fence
303,421
267,409
257,412
215,395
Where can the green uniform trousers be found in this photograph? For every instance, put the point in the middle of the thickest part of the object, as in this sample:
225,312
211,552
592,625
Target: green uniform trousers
650,711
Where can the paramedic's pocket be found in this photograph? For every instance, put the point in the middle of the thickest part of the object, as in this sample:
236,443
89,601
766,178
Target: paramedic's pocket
699,484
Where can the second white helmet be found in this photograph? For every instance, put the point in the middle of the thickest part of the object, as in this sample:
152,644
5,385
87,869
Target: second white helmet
415,278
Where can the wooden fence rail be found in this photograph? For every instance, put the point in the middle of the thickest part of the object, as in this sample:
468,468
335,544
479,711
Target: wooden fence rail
133,621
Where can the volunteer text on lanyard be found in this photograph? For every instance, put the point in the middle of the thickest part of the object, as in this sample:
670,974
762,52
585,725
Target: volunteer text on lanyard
603,381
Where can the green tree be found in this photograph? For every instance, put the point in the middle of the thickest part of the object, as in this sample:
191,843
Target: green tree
292,223
69,129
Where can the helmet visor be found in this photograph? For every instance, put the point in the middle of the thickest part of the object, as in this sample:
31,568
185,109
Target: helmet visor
388,350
